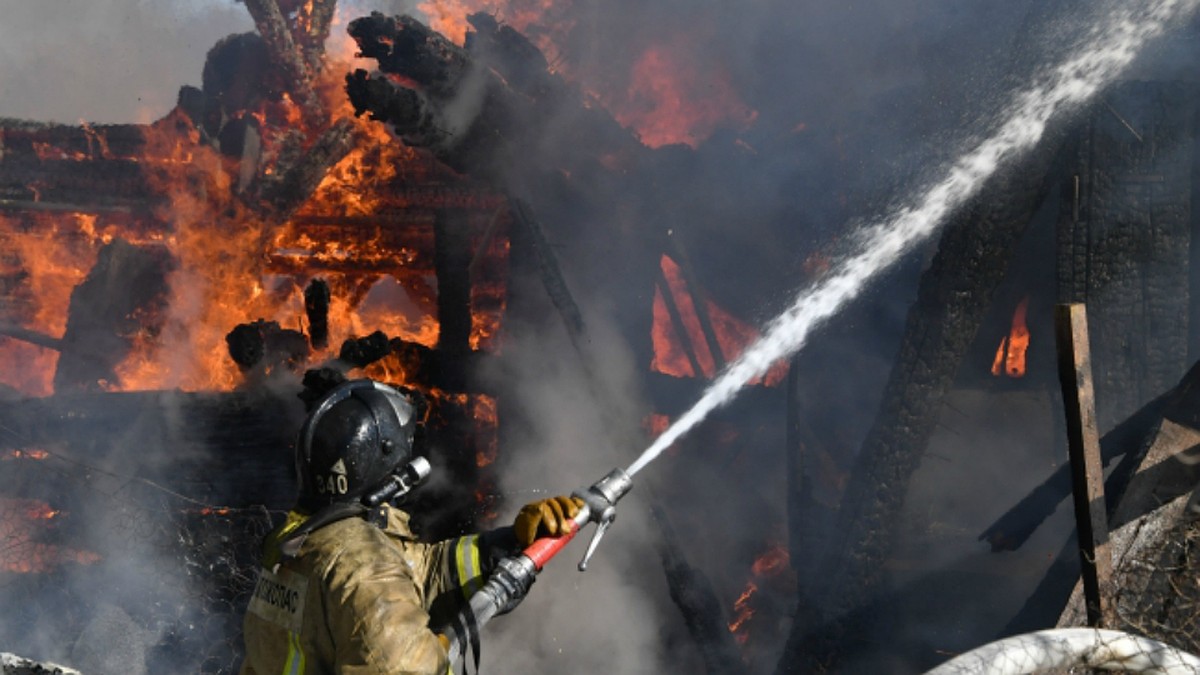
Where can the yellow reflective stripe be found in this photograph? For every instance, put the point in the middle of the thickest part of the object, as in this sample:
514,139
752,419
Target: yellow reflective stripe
295,658
466,559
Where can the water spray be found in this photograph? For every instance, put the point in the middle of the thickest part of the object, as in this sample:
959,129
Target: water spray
1107,52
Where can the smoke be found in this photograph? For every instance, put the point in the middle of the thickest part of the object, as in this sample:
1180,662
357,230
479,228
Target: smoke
575,426
106,61
827,112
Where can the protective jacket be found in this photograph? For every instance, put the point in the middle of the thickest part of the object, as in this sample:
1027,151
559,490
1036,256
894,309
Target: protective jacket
357,597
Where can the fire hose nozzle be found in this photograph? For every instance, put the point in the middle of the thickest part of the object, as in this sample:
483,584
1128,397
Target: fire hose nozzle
600,501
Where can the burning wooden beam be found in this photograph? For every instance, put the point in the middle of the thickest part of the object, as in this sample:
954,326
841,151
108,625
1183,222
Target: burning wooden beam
315,19
31,336
699,301
287,189
668,297
276,32
118,300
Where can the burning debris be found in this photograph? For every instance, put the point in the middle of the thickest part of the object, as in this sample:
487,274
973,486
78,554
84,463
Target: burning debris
297,221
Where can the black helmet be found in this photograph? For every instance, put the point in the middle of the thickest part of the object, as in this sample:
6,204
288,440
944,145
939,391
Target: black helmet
356,437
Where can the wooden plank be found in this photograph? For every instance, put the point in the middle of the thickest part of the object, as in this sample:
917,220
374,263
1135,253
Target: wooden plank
1143,516
1087,476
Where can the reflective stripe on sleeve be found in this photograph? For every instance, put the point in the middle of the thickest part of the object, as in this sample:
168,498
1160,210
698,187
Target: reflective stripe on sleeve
295,658
466,562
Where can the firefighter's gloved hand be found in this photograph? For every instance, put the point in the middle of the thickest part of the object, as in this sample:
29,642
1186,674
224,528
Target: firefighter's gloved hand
546,518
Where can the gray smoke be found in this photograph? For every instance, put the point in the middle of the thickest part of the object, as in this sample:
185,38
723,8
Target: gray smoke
853,100
106,61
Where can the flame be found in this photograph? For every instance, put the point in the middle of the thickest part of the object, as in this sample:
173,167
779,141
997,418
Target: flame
671,100
742,612
43,258
674,94
774,561
22,530
486,425
770,564
233,267
26,454
732,334
1010,355
544,20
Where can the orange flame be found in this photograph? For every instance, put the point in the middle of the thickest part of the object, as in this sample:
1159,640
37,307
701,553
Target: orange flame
742,612
486,442
770,564
774,561
1010,355
671,101
732,334
27,454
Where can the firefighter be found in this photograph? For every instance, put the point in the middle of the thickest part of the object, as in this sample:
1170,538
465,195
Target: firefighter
345,586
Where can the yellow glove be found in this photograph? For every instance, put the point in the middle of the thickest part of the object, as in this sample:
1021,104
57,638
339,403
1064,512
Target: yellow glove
548,517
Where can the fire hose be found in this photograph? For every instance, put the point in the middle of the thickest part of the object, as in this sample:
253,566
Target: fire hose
514,575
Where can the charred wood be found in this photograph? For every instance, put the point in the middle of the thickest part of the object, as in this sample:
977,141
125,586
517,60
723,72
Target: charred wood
1128,201
808,531
317,382
120,301
1156,441
407,110
548,269
59,141
260,347
504,126
519,61
295,182
287,56
694,595
452,259
315,20
56,207
316,308
404,46
238,77
33,337
362,352
953,296
699,299
664,289
98,182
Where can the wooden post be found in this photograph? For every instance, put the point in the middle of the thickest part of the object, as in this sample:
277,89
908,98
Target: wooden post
1087,477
